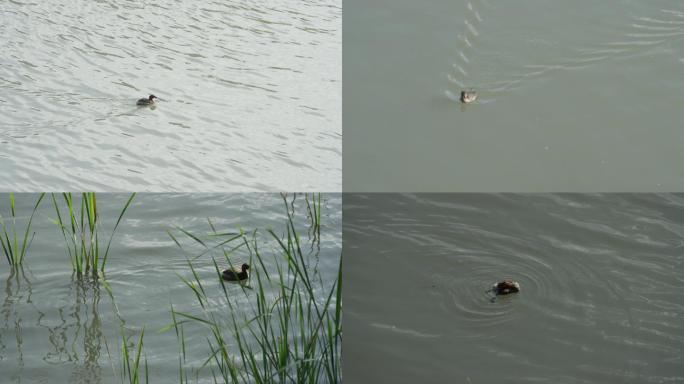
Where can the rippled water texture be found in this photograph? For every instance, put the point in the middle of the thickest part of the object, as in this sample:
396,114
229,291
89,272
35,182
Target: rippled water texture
57,328
251,95
573,96
600,275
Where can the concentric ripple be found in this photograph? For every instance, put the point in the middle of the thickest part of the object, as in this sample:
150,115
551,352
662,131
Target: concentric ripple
600,278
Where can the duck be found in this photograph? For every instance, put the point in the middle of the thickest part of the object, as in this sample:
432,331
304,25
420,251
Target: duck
505,287
468,96
147,101
235,275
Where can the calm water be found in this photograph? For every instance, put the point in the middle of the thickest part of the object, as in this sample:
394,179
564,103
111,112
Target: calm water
573,96
56,328
601,288
251,95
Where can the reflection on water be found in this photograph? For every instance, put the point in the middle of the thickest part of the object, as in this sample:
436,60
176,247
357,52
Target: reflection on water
73,328
78,338
250,95
600,279
10,319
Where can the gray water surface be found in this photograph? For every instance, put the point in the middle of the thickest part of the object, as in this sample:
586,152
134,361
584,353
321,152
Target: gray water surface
573,96
250,95
58,328
601,288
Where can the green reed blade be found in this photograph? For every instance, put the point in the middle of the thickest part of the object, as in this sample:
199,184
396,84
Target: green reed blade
123,211
25,243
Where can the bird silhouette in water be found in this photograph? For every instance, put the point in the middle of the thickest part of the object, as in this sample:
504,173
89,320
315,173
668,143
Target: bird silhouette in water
468,96
505,287
235,275
147,101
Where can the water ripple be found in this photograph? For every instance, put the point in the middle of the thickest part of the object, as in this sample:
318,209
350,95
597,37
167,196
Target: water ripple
230,76
600,280
481,45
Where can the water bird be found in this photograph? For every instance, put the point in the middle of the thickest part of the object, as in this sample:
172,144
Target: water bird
147,101
468,96
235,275
505,287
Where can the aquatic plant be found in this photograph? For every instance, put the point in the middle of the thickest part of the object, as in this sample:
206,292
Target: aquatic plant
13,248
314,212
280,328
131,364
80,229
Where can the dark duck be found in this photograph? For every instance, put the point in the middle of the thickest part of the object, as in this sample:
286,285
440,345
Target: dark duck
235,275
505,287
147,101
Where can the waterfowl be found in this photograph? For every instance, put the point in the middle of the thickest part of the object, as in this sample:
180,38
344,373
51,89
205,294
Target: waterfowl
505,287
147,101
235,275
468,96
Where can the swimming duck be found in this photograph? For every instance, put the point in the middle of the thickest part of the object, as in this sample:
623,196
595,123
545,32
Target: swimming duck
147,101
468,96
234,275
505,287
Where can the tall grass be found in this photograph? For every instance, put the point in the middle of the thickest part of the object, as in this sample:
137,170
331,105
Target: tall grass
80,227
281,327
14,246
131,362
314,213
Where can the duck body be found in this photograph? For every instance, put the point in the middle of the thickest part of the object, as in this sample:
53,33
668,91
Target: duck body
505,287
147,101
235,275
468,96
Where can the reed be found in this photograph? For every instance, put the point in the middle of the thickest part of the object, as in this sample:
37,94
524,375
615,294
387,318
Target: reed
279,326
14,246
314,213
80,227
131,369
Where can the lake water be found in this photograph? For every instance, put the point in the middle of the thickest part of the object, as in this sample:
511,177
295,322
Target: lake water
573,96
55,327
600,301
250,95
